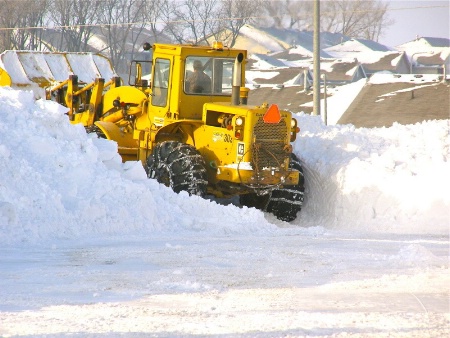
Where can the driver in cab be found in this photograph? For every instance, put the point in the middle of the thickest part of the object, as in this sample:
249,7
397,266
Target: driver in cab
198,81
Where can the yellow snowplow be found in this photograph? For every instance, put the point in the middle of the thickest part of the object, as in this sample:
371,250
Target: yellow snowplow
184,114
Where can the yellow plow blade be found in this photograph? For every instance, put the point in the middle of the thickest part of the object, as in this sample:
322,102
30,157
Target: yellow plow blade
38,70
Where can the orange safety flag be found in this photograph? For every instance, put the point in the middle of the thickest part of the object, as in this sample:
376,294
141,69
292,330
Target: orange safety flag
272,115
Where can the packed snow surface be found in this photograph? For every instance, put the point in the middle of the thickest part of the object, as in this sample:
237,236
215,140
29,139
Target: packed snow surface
89,246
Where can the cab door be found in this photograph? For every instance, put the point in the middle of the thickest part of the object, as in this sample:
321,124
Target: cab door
161,84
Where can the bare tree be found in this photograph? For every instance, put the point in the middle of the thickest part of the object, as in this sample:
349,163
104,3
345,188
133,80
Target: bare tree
351,15
194,19
276,11
377,23
19,20
234,14
122,23
199,17
356,18
300,14
329,16
173,24
359,19
152,15
74,19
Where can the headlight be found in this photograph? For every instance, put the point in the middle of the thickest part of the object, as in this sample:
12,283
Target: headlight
293,123
239,121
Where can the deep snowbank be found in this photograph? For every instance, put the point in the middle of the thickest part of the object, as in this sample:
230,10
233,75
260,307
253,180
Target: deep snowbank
382,179
59,182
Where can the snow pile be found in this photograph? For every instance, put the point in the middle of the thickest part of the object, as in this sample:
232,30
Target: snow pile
417,255
383,179
59,182
82,233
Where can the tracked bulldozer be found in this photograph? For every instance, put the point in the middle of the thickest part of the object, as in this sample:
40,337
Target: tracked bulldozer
183,114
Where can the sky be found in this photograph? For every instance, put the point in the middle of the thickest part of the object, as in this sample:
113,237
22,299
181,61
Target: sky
412,18
90,247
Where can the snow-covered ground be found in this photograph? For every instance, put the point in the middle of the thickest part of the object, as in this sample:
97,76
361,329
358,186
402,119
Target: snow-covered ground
90,247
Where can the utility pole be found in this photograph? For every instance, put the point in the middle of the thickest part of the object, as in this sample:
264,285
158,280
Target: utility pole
316,58
325,113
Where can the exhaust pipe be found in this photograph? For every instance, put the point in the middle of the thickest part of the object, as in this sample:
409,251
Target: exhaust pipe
236,86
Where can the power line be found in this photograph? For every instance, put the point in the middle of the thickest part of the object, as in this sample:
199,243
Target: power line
142,23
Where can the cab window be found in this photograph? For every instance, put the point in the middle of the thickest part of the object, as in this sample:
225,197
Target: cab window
160,82
208,76
140,73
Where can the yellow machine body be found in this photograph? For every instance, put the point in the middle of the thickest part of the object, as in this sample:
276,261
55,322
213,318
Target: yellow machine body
244,147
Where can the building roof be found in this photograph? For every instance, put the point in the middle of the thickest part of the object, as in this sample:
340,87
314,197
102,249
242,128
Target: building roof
287,98
256,40
357,45
435,59
437,42
374,46
275,40
424,44
383,104
266,61
343,70
382,61
276,77
299,52
388,99
295,37
338,71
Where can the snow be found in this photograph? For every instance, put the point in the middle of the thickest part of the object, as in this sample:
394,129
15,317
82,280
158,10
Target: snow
367,58
341,97
258,37
352,71
406,90
357,45
251,75
387,77
89,246
301,51
28,68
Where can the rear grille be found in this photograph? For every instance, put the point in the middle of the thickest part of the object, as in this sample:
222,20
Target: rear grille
269,149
